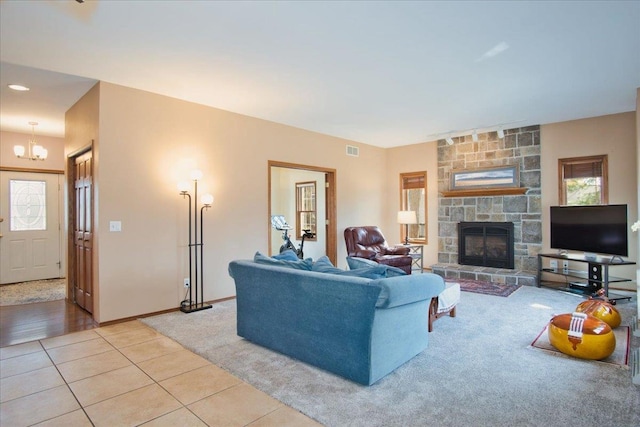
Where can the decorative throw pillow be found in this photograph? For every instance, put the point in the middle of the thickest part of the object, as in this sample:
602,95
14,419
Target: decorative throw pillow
288,255
324,265
375,271
357,263
299,264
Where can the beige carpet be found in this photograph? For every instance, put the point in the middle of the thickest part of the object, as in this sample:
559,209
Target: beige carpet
35,291
478,370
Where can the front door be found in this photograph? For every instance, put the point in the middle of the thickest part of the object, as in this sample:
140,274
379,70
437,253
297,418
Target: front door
83,231
30,229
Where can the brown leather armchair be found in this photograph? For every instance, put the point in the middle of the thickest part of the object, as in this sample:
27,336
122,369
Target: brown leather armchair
369,242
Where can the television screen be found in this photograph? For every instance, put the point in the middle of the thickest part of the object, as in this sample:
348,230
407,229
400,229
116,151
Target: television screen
593,229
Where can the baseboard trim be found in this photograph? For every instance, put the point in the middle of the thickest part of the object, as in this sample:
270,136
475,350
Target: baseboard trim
156,313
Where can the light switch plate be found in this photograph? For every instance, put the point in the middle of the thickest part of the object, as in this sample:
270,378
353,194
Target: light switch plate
115,226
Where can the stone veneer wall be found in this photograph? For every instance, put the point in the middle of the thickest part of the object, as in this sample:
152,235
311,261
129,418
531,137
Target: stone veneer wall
519,146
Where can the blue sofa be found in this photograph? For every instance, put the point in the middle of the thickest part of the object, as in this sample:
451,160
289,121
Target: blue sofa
359,328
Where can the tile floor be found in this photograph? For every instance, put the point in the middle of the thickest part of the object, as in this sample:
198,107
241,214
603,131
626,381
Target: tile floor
127,374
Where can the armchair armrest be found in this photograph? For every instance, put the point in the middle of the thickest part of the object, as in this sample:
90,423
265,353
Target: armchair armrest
396,250
364,253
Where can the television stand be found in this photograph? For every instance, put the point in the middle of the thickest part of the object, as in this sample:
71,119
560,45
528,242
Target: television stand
592,279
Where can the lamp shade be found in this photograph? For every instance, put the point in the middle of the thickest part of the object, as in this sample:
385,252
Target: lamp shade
18,150
207,199
407,217
196,175
183,186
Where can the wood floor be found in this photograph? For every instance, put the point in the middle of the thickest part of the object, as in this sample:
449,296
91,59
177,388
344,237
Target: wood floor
29,322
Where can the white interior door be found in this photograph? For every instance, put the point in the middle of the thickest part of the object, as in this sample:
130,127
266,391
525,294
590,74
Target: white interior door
30,230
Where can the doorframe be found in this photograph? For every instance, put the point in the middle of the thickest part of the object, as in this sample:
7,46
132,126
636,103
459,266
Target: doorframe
330,203
71,220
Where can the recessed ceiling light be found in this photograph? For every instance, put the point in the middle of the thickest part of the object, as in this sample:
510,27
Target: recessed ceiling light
18,87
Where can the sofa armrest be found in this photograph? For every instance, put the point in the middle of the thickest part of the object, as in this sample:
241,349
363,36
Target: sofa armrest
401,290
396,250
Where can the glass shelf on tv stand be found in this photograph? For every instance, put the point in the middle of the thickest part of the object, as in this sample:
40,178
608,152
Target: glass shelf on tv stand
591,280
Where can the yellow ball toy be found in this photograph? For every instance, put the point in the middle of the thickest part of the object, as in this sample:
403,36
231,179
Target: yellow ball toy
602,310
581,335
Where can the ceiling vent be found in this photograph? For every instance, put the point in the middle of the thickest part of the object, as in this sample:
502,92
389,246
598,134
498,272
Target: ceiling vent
353,151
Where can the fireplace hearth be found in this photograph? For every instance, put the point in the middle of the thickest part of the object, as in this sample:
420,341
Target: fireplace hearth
486,244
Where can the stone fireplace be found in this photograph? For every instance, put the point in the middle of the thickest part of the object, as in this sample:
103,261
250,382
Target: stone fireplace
520,146
486,244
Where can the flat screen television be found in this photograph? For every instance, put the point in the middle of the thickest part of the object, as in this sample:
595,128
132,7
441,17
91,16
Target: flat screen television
600,229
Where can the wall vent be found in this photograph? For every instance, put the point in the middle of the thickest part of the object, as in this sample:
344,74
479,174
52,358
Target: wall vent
353,151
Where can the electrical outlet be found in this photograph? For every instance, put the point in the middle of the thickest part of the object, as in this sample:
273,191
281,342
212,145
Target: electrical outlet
565,266
187,283
554,264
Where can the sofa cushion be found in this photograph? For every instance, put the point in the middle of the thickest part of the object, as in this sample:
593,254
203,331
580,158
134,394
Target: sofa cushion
356,263
298,264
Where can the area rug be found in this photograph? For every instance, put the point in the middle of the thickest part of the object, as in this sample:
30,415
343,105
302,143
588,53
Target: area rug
34,291
486,288
619,357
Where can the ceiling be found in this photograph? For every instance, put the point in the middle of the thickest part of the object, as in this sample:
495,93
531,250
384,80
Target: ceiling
382,73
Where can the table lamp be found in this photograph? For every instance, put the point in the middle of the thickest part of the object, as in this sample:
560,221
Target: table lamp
406,218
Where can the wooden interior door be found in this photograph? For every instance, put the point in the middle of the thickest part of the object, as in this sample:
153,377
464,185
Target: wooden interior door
83,231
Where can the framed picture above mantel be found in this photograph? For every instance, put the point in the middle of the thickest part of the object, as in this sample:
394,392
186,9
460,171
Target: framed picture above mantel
495,180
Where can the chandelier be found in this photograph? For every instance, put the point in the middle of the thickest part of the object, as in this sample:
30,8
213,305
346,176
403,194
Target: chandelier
36,152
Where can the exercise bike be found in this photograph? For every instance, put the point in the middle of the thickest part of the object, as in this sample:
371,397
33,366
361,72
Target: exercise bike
279,223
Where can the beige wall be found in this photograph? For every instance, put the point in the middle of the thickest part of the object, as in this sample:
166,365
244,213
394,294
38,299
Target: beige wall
614,135
54,146
638,194
147,143
81,133
413,158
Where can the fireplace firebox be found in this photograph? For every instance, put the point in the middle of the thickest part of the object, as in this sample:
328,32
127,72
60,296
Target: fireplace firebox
486,244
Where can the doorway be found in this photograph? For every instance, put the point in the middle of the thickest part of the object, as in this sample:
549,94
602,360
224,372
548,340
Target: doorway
30,231
282,186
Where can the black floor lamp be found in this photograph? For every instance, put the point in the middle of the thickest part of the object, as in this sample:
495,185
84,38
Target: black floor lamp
196,244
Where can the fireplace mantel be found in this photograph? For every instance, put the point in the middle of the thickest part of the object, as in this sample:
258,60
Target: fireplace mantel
501,191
